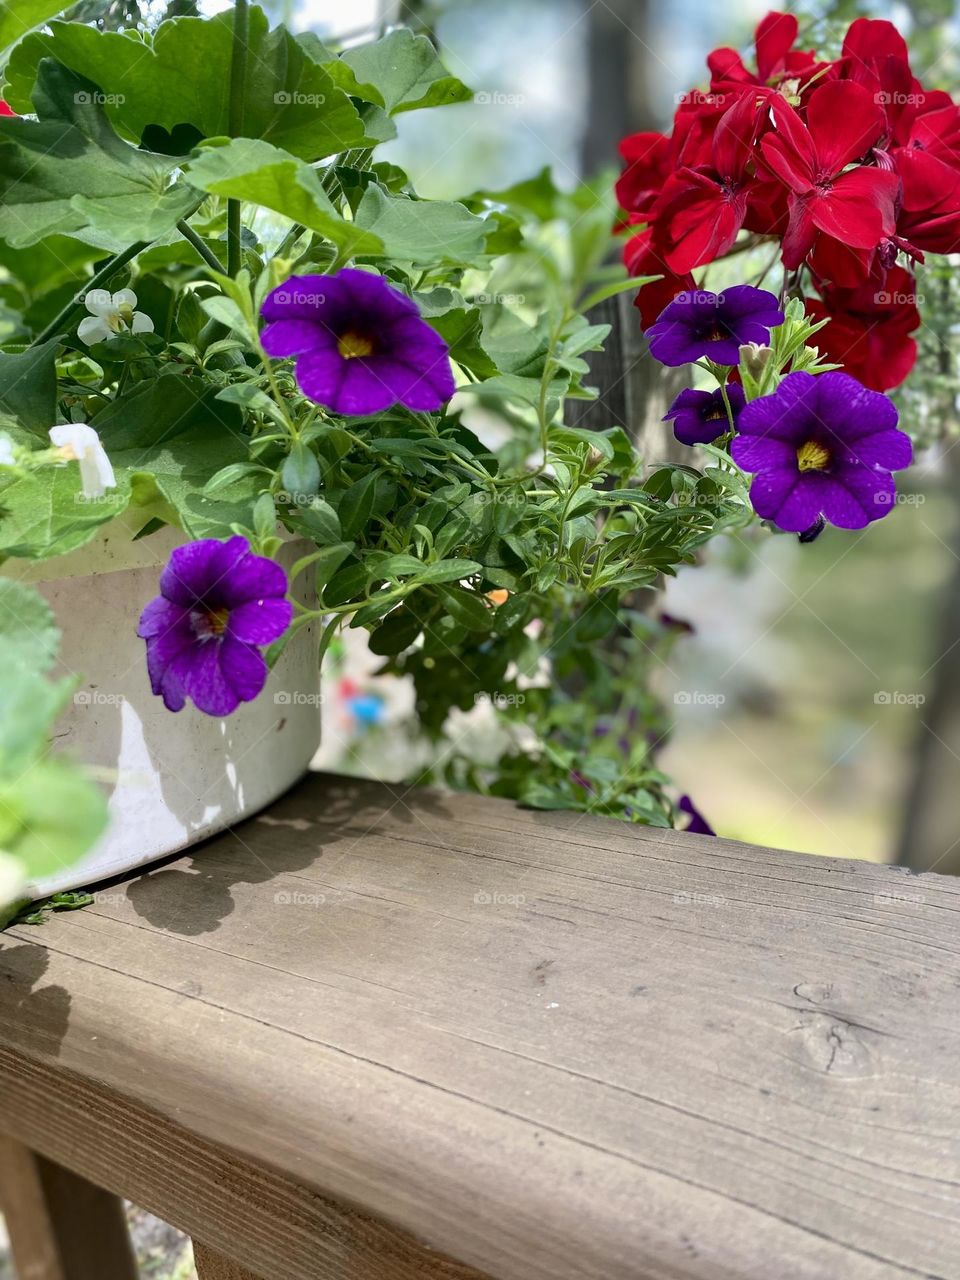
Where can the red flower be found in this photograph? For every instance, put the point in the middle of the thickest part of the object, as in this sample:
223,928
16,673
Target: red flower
776,57
644,258
6,109
702,209
855,207
648,165
929,216
869,328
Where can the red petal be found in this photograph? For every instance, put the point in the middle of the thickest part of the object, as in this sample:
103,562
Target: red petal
789,152
726,64
775,37
734,138
859,207
869,38
844,122
800,234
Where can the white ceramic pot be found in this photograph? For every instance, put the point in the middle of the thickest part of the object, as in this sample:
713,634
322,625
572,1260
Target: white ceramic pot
174,779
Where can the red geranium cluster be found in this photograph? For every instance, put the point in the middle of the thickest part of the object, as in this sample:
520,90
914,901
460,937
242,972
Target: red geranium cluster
851,165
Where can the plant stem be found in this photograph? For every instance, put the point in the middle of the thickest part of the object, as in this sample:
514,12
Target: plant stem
238,75
119,260
205,252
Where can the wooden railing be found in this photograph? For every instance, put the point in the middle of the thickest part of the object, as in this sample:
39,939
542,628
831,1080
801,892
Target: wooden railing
397,1034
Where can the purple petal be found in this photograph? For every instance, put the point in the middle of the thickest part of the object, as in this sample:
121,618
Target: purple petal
362,390
251,578
293,337
856,496
198,675
320,374
888,450
304,298
243,669
159,616
194,568
260,621
763,453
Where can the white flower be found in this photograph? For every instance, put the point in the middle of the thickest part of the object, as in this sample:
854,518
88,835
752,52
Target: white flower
110,315
6,452
79,443
13,881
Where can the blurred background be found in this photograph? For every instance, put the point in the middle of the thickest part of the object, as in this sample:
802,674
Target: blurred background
813,680
815,677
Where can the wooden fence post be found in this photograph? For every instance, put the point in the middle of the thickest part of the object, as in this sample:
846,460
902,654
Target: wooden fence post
61,1226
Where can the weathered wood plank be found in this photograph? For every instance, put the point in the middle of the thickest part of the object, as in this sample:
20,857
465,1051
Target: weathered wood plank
549,1045
61,1227
212,1265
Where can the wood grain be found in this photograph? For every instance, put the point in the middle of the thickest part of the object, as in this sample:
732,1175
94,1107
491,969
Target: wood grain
61,1227
212,1265
550,1046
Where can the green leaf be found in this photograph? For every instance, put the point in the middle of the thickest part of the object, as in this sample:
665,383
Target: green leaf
29,635
467,609
163,409
60,815
318,521
28,387
448,571
45,513
300,475
19,18
406,71
356,505
248,169
168,481
69,173
611,290
422,231
397,632
182,77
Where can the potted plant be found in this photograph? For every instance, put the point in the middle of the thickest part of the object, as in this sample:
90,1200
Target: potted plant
244,358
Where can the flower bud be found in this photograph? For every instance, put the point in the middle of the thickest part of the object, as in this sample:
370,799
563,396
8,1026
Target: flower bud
593,459
755,359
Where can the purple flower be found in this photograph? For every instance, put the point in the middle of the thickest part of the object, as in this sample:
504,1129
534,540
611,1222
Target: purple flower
361,345
699,417
821,446
218,602
698,823
697,324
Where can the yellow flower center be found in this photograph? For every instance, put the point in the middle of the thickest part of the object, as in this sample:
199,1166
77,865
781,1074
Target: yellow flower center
217,620
812,456
352,345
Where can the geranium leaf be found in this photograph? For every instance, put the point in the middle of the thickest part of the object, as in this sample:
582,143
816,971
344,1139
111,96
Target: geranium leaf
248,169
406,71
68,172
28,387
422,230
182,78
